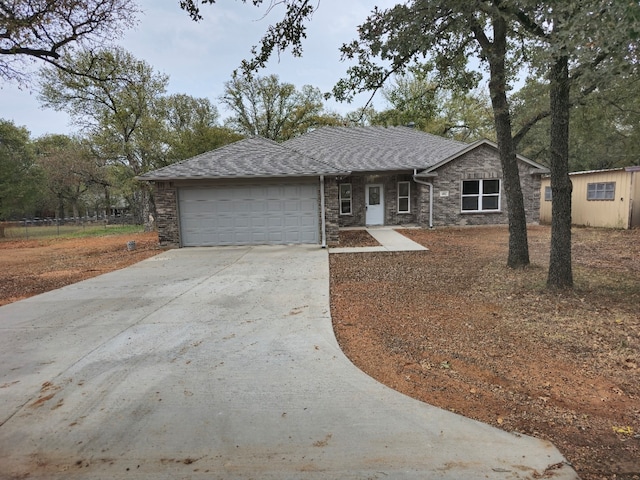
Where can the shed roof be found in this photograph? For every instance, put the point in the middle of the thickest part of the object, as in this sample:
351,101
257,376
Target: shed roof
252,157
369,149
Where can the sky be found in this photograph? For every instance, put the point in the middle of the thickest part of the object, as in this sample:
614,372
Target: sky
200,57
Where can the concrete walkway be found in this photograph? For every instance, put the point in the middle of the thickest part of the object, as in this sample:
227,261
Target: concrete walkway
220,363
389,240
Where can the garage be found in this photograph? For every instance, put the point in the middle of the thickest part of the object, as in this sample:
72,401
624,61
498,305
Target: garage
249,214
250,192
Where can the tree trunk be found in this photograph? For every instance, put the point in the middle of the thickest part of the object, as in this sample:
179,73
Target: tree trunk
107,204
560,273
60,209
75,210
518,243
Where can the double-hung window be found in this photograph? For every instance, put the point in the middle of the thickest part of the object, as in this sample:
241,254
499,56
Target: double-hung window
404,203
601,191
481,195
345,199
547,194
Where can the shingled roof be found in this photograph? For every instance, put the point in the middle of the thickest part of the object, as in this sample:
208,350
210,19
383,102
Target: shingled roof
369,149
325,151
252,157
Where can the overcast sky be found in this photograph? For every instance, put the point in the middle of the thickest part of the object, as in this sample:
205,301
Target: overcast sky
200,57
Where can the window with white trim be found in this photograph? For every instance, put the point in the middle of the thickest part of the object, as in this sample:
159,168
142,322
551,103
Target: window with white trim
404,202
345,199
481,195
547,194
601,191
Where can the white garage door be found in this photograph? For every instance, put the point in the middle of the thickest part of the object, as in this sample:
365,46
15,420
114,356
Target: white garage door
249,214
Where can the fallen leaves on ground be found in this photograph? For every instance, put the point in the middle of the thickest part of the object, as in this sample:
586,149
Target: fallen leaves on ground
31,267
454,327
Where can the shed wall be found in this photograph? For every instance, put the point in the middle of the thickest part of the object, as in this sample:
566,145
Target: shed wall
614,213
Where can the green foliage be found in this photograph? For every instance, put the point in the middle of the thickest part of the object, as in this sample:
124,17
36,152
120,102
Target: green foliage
264,106
119,112
69,169
191,128
466,117
129,123
190,143
397,39
604,127
415,98
20,177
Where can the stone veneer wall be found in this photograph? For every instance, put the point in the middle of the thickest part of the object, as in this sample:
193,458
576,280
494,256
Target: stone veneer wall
392,216
331,211
482,163
357,218
166,199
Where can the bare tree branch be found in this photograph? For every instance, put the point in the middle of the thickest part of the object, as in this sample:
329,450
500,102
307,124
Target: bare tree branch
44,30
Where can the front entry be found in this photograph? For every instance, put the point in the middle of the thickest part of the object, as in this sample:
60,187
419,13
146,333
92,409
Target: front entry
374,204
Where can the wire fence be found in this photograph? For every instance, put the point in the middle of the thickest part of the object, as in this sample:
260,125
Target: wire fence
67,227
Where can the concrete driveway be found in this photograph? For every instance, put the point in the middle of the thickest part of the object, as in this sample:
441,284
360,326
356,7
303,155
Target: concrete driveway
220,363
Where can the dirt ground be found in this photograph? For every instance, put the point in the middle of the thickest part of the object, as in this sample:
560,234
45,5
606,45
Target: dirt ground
455,328
30,267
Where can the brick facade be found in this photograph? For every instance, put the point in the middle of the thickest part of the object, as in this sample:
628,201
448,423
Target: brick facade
166,201
357,217
480,163
331,210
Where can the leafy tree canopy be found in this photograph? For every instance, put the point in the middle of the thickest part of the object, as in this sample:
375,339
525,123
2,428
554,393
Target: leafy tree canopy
264,106
69,169
19,176
604,127
415,98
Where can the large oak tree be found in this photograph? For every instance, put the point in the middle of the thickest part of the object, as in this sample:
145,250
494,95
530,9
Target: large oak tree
117,111
45,30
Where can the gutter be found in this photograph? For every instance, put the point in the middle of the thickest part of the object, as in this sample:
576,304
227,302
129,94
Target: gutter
430,185
153,178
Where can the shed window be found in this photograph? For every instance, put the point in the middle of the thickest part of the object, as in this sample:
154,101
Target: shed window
601,191
345,199
481,195
547,194
404,205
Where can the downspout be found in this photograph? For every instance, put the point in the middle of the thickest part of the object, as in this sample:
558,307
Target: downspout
322,214
430,185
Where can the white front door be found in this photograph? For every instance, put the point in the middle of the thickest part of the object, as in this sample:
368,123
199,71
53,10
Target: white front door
374,202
